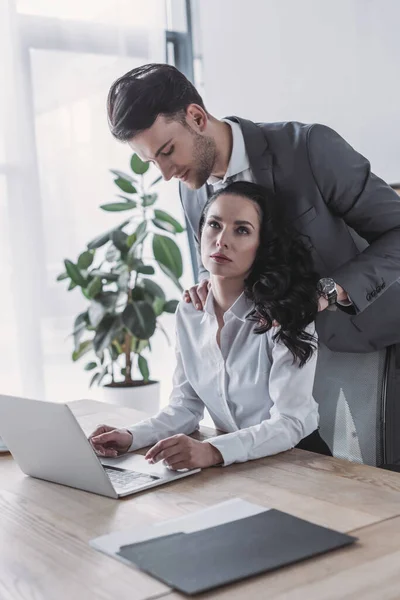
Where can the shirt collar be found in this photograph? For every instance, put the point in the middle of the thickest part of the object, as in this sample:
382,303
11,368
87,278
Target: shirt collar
239,309
239,160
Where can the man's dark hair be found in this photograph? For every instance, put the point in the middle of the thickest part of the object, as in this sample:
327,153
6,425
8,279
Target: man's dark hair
136,99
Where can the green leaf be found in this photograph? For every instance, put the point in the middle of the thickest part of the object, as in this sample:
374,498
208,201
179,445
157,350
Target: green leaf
104,237
90,366
112,254
138,166
119,239
80,325
172,276
141,230
144,368
102,375
62,276
125,198
114,352
167,254
165,226
84,347
131,240
137,345
170,306
161,215
140,234
122,175
125,186
94,287
108,300
72,285
119,206
74,273
145,269
153,288
158,306
106,332
137,293
149,200
156,181
103,304
139,318
104,275
94,379
85,259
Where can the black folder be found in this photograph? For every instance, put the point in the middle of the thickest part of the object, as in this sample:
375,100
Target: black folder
199,561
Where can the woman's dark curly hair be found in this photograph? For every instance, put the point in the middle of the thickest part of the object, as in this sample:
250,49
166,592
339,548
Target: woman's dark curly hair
282,282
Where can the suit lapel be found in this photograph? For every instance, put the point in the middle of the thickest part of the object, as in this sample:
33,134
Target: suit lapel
257,150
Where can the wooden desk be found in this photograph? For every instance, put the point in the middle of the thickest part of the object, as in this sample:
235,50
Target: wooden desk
45,528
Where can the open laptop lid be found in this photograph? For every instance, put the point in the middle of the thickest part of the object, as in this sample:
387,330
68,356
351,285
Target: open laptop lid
47,442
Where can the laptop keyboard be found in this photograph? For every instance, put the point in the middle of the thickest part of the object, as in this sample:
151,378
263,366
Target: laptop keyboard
124,479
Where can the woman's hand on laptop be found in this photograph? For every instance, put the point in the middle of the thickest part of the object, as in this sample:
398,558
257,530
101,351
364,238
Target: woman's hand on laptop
183,452
109,441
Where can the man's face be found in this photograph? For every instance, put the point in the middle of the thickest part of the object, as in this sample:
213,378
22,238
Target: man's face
177,150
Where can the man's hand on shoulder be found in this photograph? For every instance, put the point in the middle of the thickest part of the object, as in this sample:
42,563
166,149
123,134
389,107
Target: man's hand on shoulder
197,294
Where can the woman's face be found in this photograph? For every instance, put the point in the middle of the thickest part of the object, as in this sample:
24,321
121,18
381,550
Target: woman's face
230,236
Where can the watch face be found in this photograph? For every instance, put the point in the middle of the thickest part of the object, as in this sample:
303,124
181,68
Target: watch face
327,285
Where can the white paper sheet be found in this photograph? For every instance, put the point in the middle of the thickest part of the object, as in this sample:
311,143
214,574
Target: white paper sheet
224,512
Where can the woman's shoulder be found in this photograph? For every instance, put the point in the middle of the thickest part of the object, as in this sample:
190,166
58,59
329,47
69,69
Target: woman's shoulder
186,312
310,329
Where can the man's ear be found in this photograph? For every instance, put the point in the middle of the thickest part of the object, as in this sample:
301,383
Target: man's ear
196,117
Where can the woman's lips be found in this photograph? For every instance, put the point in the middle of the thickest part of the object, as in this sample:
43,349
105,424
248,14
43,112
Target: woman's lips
220,259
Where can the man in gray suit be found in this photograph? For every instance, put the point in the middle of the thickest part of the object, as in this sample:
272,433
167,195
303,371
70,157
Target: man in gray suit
349,218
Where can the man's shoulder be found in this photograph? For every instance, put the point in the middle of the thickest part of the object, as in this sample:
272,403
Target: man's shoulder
286,131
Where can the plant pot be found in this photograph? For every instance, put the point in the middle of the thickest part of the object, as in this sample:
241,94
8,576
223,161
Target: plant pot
139,395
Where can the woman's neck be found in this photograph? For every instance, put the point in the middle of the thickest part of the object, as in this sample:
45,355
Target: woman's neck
225,292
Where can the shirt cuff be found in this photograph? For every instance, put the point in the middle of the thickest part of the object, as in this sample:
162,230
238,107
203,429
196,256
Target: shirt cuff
347,302
142,436
230,447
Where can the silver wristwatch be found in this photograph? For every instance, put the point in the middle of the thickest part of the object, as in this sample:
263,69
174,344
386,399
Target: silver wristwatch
327,288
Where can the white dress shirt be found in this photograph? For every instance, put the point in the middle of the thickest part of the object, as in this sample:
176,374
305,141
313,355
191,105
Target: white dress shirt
239,164
249,385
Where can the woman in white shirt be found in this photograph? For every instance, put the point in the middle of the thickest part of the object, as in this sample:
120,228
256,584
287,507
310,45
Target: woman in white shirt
254,376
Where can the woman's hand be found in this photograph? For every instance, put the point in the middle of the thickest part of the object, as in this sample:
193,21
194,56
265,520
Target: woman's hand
182,452
109,441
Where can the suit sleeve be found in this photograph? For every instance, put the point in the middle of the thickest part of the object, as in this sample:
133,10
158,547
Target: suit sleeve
367,204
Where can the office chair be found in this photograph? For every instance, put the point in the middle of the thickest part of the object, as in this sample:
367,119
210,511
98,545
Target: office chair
359,405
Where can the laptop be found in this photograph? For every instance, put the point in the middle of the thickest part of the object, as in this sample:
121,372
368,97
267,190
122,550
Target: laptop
47,442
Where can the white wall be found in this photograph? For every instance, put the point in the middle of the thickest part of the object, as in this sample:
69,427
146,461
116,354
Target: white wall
334,62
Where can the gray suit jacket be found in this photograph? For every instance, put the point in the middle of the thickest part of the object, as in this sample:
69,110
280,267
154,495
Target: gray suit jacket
348,217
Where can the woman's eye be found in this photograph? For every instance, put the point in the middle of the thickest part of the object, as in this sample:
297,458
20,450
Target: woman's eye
242,230
214,224
170,151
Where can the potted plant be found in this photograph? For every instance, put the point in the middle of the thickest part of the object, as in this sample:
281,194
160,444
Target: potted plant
124,301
